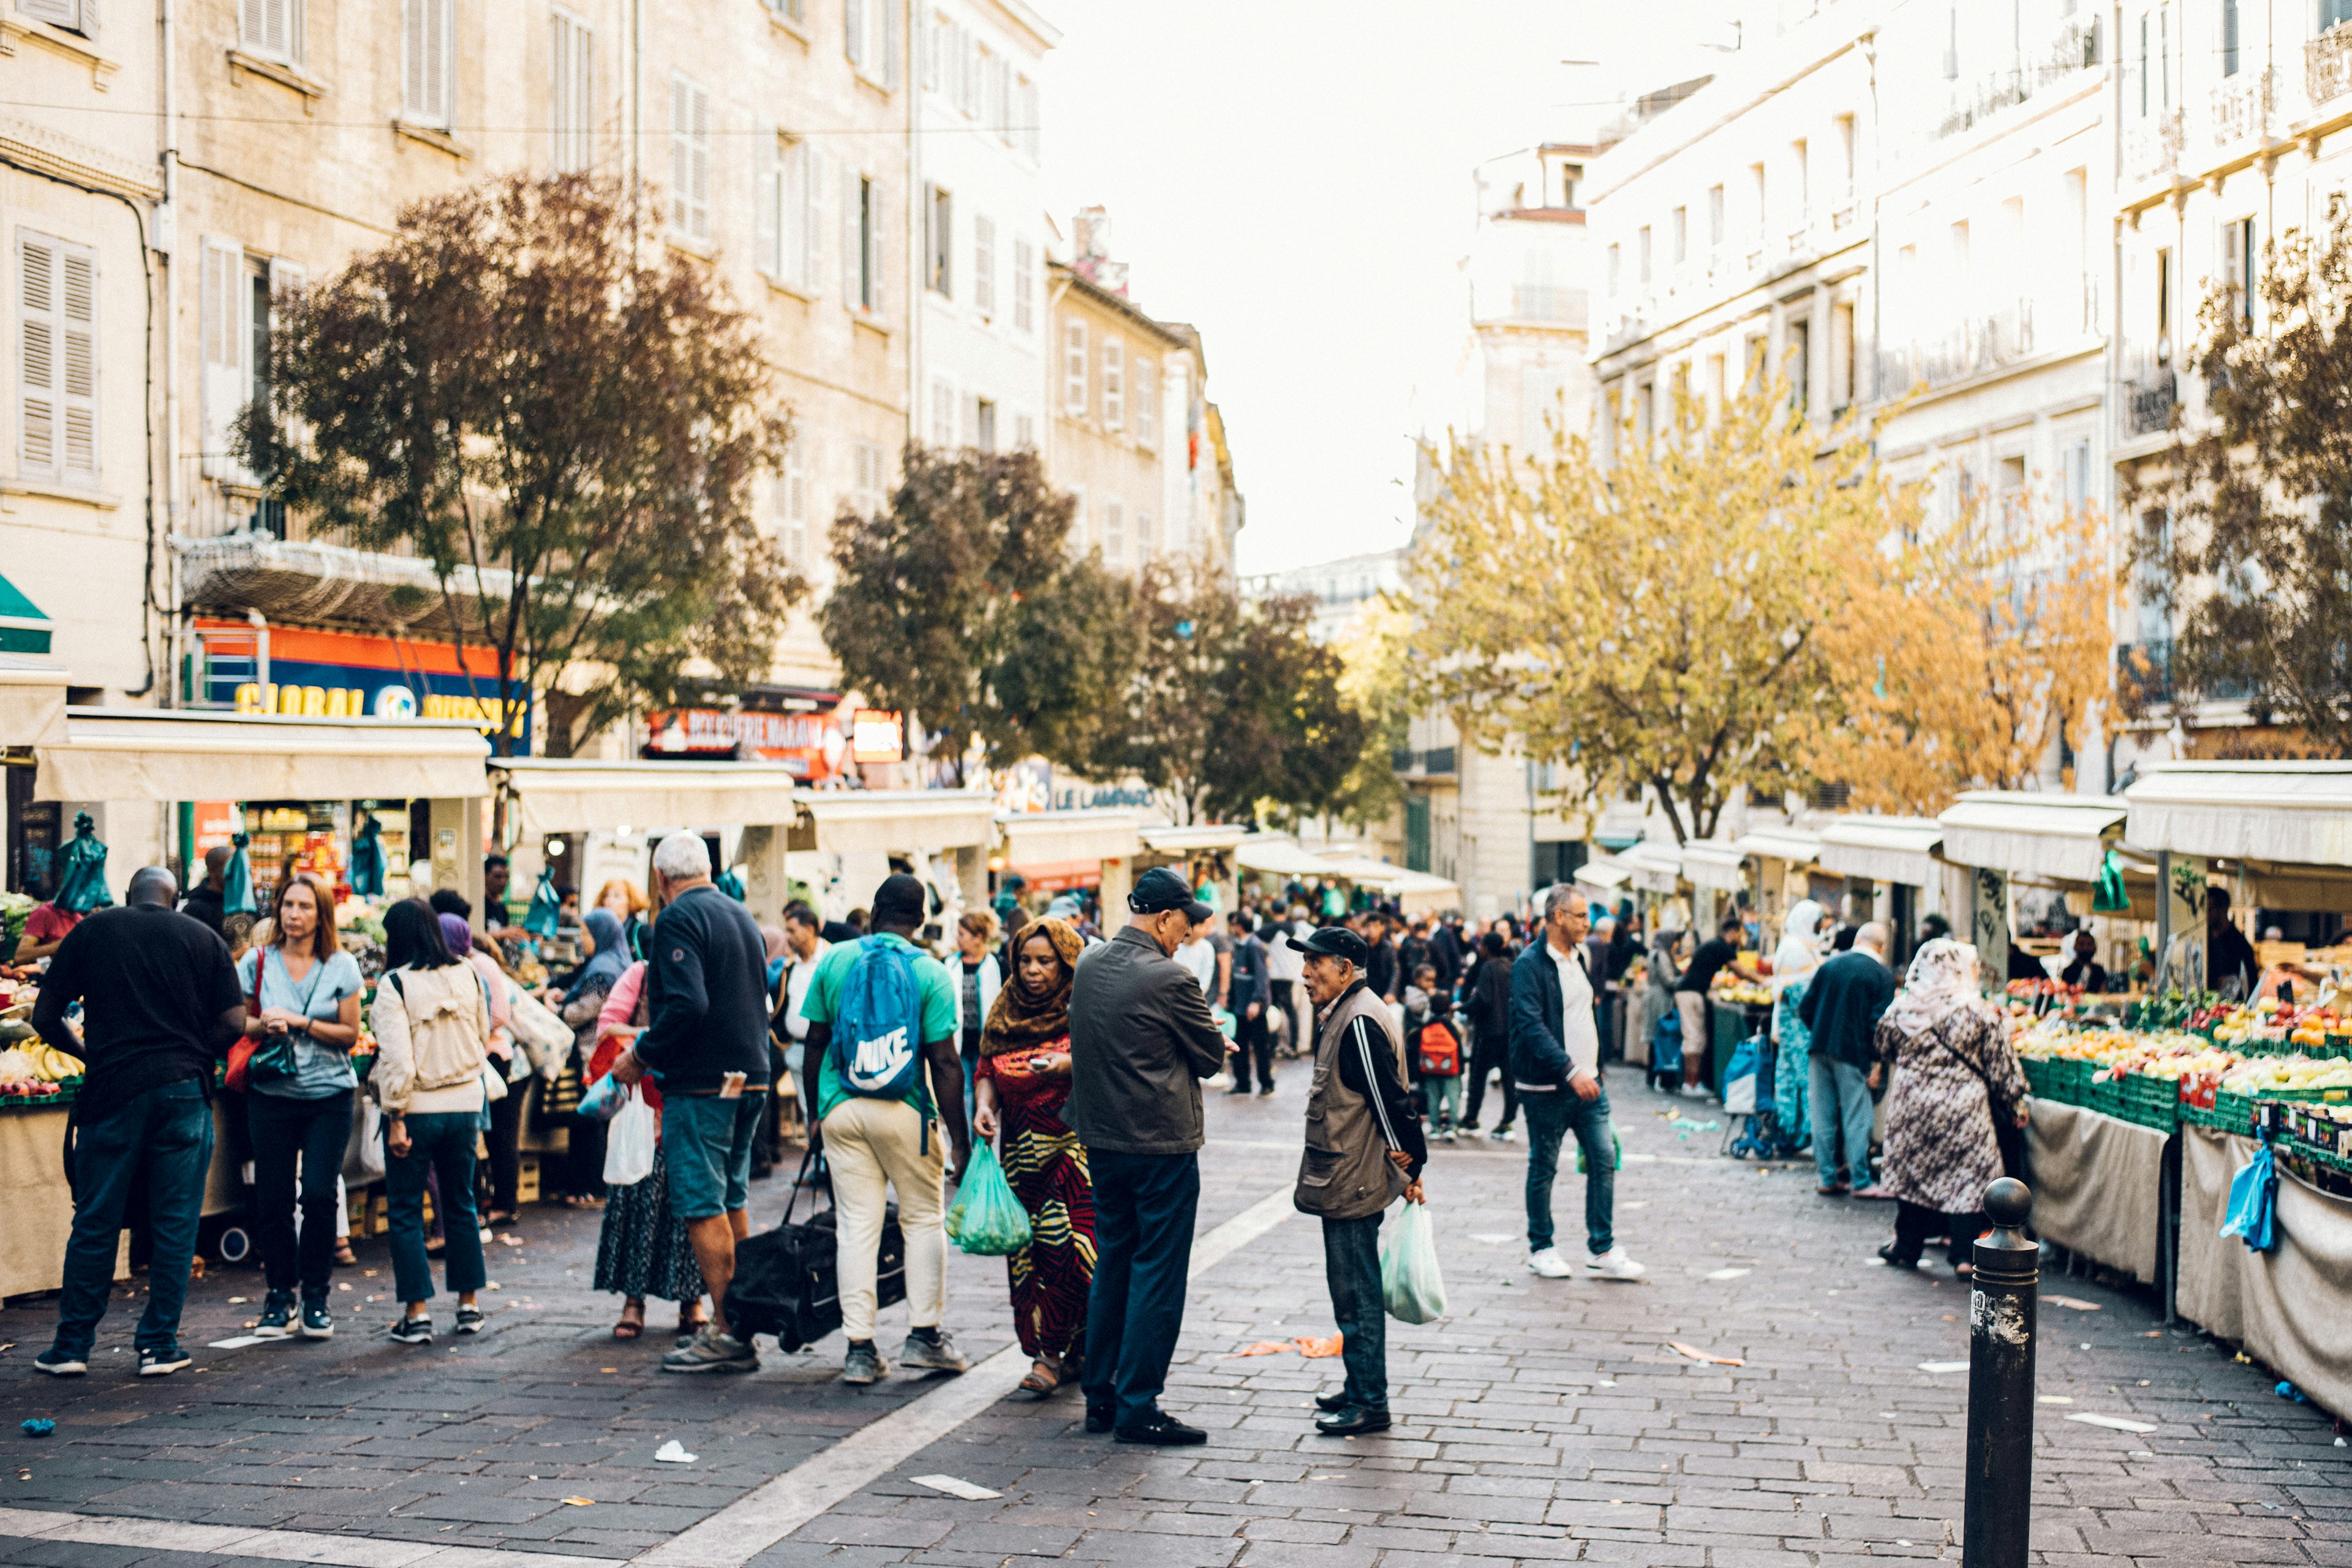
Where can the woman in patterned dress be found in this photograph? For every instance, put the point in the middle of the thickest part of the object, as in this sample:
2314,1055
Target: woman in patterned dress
1793,963
1959,1073
642,1249
1022,1082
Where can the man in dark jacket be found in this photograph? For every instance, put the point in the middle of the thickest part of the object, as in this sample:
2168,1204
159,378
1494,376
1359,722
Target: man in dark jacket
706,1040
1841,1007
1490,1037
1252,995
1141,1039
1364,1150
205,904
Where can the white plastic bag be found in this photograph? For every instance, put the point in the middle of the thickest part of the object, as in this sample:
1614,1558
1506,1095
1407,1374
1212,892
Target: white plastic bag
363,1150
544,1037
1411,1287
629,1143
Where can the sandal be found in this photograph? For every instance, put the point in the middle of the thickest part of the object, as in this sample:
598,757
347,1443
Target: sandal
1043,1380
344,1254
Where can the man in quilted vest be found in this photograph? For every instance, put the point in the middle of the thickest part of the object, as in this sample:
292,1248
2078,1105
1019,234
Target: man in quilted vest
1364,1150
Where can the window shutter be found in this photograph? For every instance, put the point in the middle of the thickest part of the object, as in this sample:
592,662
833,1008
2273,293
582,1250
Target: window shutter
38,334
877,230
225,333
983,266
1114,385
1025,309
1073,369
573,95
253,23
767,189
61,13
852,24
853,235
890,33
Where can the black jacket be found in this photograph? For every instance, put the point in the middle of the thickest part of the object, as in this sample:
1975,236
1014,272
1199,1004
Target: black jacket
1842,1004
1141,1041
706,995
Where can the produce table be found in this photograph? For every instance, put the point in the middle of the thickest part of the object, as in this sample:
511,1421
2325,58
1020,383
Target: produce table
2287,1305
2098,1185
40,1206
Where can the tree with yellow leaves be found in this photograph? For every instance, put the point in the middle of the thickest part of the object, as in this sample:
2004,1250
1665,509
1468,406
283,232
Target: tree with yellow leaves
1972,644
1657,616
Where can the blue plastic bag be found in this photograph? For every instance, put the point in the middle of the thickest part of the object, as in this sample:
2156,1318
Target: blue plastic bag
986,1219
2253,1197
604,1099
1411,1288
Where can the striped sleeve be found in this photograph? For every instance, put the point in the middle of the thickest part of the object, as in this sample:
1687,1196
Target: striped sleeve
1369,1066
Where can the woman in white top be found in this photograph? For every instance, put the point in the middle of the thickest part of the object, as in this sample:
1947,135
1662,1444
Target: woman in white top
432,1020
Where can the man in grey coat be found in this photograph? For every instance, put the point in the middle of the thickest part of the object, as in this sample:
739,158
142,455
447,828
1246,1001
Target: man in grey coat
1141,1039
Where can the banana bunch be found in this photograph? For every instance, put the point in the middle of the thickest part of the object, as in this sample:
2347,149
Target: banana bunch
35,1062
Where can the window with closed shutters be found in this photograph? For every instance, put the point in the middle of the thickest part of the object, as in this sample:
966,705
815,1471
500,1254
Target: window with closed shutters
223,342
690,159
939,240
1024,305
983,266
1147,412
74,15
1073,369
56,363
427,61
795,509
1114,385
573,94
271,29
1114,534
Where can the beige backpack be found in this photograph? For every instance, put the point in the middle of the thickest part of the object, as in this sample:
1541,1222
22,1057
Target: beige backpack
445,1022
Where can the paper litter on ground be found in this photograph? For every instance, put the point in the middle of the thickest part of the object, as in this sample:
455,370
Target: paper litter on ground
2053,1399
580,1501
955,1486
1728,1273
2112,1423
1943,1366
674,1453
2075,1302
1697,1354
1307,1346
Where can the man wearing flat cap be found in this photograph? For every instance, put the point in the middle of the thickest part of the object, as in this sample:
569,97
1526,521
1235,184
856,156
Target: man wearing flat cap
1364,1150
1141,1039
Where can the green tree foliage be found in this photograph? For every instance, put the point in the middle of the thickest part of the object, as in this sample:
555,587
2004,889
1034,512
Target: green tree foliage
961,606
568,433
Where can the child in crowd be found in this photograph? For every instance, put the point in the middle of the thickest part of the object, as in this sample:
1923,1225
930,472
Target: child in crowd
1433,1052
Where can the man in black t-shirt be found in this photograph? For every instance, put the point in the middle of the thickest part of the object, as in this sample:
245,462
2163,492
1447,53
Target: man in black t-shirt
1714,956
160,1006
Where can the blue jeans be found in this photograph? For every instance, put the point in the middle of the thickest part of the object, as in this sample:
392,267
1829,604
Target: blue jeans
441,1143
707,1143
1551,1115
169,1130
1352,1267
1144,1209
312,1131
1839,1101
1440,1100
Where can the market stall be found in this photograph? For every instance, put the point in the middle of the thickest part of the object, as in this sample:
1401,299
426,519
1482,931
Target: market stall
1785,858
1055,852
1425,893
1899,854
857,837
1203,854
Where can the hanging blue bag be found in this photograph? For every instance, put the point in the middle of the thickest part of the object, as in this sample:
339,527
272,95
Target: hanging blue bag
2254,1198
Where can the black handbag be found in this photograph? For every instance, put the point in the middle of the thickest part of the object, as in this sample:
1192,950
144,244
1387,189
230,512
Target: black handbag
785,1283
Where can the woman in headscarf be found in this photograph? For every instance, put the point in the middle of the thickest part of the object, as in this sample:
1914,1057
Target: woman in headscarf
643,1249
578,1006
1793,963
1959,1076
1021,1083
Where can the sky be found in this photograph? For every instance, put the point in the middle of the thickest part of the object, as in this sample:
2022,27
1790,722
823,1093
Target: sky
1293,177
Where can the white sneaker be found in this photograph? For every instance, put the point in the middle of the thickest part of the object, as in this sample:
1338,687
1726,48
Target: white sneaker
1548,1264
1614,1265
1222,1080
1694,1092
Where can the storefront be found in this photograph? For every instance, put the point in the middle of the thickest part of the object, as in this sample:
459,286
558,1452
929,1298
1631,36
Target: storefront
1042,853
2018,854
1896,858
1205,855
856,838
32,712
808,731
1785,860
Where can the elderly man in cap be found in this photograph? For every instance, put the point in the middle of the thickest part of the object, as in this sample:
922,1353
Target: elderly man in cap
1141,1039
1364,1150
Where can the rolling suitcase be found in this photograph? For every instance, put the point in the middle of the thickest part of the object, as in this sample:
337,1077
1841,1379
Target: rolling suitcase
785,1283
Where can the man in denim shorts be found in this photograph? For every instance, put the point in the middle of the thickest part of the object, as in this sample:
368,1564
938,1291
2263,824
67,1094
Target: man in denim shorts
705,1042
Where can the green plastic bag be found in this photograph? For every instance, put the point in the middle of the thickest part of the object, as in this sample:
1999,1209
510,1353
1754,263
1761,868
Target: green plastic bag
1411,1287
1617,1138
986,1219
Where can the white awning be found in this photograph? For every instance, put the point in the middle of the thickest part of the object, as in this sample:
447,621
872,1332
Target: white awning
900,821
1604,873
1779,844
1882,848
1655,866
1421,893
1362,868
569,796
1189,840
171,755
1049,837
1276,855
1712,863
32,702
2063,836
2295,812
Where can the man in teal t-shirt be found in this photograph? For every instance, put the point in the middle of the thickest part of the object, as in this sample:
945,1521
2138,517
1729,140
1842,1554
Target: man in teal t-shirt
873,1144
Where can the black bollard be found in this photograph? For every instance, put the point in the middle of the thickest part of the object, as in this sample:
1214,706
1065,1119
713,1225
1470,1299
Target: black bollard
2006,1284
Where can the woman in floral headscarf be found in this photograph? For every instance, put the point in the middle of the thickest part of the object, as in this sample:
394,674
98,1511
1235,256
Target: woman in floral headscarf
1959,1076
1022,1082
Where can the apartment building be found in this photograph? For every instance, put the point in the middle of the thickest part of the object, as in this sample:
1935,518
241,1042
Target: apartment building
766,137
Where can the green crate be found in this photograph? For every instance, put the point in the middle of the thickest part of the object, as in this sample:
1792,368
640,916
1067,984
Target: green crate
2238,1120
2038,1075
2106,1098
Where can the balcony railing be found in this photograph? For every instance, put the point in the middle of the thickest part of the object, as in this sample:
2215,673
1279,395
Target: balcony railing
1547,302
2327,64
2072,47
2147,402
2152,146
2242,107
1970,349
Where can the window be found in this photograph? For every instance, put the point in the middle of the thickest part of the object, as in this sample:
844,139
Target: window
1024,114
870,40
56,363
943,414
792,521
1842,355
234,339
865,217
1147,413
983,76
1114,385
1642,254
1073,369
1024,308
2238,272
427,61
1077,494
792,11
1800,364
2163,307
2076,466
935,38
2334,13
1846,153
690,159
1613,270
1800,159
873,478
1682,236
1715,386
573,95
2142,64
984,423
1024,431
269,29
1145,544
1757,193
1114,532
939,240
1714,216
786,242
983,266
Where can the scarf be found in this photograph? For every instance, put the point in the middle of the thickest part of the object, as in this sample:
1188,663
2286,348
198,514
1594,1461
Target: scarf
1800,946
1024,1021
1942,980
457,934
611,957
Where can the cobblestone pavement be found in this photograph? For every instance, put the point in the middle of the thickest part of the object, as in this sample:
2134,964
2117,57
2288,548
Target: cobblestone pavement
1543,1421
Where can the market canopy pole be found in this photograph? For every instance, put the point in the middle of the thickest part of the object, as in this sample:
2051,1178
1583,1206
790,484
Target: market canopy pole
2003,1295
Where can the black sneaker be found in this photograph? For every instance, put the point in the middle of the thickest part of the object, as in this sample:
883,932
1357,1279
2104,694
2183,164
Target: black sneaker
1160,1430
318,1324
161,1360
1101,1417
277,1317
1326,1403
58,1364
470,1321
1352,1421
412,1331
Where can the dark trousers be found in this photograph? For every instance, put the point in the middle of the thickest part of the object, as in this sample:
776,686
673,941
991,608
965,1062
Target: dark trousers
310,1133
441,1143
1144,1207
504,1140
1551,1116
1352,1267
583,1157
1252,1043
167,1134
1915,1224
1490,1052
1285,1002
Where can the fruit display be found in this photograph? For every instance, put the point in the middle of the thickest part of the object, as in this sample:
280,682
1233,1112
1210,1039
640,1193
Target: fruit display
1740,994
34,1072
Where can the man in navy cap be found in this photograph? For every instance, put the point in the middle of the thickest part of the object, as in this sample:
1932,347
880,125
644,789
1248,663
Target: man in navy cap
1141,1039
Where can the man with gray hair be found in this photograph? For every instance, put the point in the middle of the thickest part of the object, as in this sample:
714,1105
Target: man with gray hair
1841,1007
705,1042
